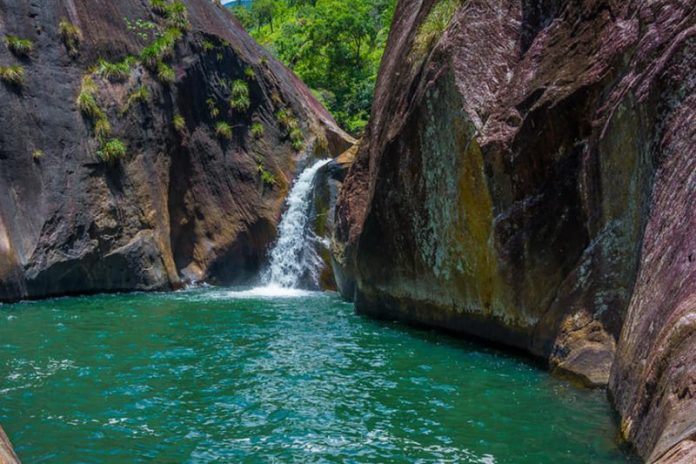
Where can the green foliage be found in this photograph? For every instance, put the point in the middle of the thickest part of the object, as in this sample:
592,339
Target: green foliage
223,130
161,48
297,138
20,47
37,154
179,123
174,12
70,35
102,128
249,73
257,130
112,150
139,95
434,25
212,106
240,100
87,100
335,46
165,73
90,108
266,176
159,6
144,29
177,15
283,117
208,45
12,75
116,72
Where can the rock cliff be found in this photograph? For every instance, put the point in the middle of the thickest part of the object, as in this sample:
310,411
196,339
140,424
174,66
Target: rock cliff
142,145
529,177
7,454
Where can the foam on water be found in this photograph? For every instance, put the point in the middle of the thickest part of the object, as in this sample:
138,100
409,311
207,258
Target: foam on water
270,291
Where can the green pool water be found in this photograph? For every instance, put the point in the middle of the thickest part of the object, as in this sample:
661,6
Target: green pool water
218,376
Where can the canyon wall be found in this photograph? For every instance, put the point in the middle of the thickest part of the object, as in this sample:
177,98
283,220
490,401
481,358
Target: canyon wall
528,177
146,146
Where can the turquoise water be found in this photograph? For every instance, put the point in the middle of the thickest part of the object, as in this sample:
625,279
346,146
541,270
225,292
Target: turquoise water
214,376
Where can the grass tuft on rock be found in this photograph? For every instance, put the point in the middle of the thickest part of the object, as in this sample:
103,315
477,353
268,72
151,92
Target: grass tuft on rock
223,130
159,6
116,72
434,25
12,75
297,138
70,35
212,106
112,151
165,73
257,130
179,123
175,13
162,48
267,177
240,100
139,95
90,108
18,46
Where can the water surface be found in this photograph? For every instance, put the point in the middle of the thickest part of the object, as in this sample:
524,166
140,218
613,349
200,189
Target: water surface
215,376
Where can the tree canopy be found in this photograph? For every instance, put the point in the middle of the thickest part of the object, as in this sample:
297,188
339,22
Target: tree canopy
335,46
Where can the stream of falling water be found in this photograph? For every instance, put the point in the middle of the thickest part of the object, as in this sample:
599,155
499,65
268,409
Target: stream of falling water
294,258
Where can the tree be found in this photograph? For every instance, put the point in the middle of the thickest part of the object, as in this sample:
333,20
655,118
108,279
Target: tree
335,46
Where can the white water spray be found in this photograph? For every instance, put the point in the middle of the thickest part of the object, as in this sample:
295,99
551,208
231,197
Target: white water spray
294,257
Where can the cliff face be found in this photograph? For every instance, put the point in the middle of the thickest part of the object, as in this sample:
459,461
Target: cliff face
529,177
167,161
7,454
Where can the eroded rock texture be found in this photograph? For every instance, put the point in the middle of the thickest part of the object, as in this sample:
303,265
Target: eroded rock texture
528,177
185,203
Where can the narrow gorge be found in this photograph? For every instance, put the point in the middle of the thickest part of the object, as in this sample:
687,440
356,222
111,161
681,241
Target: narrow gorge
501,267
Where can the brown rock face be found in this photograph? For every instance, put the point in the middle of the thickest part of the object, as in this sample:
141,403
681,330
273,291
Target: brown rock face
7,454
187,202
528,177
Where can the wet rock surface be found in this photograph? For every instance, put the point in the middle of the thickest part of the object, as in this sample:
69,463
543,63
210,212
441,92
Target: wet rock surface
186,203
528,178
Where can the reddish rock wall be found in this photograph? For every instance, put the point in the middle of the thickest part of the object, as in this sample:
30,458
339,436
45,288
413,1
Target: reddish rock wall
527,177
7,454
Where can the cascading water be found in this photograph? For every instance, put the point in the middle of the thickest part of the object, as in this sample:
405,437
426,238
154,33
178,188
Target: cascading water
294,257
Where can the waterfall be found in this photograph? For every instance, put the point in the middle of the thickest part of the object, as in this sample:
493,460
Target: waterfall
294,257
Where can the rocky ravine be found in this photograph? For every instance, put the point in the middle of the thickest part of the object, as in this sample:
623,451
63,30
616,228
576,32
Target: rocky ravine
529,177
212,127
